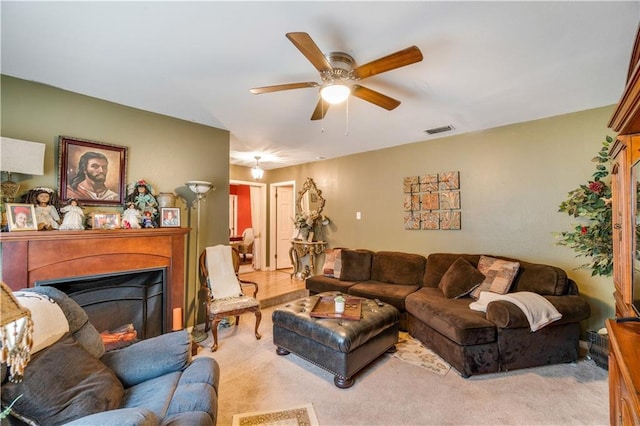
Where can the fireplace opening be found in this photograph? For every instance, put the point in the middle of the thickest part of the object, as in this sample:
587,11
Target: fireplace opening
115,300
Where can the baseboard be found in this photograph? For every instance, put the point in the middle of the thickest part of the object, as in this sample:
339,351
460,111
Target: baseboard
283,298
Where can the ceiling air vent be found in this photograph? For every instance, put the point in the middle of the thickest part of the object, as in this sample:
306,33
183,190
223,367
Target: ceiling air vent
439,130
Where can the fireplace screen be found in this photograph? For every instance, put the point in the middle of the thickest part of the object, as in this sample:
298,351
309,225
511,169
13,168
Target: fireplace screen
114,300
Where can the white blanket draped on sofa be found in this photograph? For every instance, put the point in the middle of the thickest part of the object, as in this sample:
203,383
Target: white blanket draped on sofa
538,310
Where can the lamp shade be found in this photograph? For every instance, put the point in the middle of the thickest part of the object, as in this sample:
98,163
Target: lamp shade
200,186
257,172
18,156
16,332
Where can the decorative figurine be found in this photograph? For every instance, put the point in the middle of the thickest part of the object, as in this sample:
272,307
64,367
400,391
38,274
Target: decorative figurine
131,217
45,201
73,216
147,221
141,194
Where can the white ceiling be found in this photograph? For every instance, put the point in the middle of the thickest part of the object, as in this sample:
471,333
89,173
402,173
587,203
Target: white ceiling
486,64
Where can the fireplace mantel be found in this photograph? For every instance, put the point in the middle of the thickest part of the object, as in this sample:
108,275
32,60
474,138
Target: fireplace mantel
31,256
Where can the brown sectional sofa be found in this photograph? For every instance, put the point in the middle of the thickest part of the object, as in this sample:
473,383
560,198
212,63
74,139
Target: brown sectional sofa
472,342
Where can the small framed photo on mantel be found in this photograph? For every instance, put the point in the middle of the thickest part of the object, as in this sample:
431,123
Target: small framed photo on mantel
21,217
106,221
170,217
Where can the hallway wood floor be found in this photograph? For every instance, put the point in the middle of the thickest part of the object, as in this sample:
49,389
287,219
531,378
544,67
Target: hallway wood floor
273,283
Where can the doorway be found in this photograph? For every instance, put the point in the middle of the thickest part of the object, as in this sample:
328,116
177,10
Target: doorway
282,201
258,197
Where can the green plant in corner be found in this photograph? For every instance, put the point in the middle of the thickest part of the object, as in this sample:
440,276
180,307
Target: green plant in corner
592,204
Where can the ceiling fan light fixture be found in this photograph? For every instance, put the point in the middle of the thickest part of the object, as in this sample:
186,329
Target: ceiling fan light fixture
335,93
257,172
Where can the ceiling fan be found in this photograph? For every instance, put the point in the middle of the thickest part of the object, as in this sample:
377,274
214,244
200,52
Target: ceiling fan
339,74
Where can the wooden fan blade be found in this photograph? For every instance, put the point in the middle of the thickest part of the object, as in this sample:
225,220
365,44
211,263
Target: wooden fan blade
321,110
399,59
374,97
279,87
310,50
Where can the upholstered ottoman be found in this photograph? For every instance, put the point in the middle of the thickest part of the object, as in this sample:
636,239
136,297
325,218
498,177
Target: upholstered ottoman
342,347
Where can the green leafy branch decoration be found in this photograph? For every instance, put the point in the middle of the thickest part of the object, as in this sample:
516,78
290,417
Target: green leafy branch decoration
592,204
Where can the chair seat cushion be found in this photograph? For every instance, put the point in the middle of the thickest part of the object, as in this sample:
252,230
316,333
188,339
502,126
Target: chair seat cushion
218,306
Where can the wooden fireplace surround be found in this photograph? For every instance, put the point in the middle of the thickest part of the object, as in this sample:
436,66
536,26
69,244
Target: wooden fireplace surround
31,256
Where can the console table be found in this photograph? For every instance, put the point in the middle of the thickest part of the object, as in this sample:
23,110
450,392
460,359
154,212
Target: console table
300,249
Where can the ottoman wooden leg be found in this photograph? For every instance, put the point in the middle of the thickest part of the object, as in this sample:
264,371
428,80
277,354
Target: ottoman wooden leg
392,350
343,382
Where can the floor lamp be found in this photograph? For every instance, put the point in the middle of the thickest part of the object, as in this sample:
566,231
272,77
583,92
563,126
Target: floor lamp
200,188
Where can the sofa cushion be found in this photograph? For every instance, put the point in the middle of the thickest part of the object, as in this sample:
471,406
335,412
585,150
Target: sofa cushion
398,268
154,395
460,279
535,277
450,317
150,358
332,263
320,284
356,264
542,279
393,294
62,383
439,263
499,275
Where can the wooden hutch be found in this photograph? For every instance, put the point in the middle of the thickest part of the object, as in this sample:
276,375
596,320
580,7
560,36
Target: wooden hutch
624,337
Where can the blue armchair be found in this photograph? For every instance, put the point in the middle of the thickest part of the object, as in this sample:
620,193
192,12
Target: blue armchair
151,382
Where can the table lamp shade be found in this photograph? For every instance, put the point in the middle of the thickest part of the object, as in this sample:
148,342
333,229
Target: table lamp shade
16,333
18,156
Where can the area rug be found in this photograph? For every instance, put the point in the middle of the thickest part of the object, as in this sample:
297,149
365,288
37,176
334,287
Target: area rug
412,351
303,415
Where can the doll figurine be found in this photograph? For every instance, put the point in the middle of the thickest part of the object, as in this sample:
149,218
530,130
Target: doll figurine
73,216
147,221
143,199
131,217
45,200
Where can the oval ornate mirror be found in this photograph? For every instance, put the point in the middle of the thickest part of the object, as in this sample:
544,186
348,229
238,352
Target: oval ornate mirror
309,199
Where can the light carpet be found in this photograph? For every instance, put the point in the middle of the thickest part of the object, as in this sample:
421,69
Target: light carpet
392,392
303,415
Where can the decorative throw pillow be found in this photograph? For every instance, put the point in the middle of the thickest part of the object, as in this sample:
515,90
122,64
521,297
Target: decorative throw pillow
79,326
332,263
499,275
460,279
356,265
62,383
49,322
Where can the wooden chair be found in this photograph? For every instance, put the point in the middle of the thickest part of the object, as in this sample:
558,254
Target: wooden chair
245,247
218,271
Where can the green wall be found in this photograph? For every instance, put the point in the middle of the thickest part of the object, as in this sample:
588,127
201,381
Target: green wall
165,151
513,179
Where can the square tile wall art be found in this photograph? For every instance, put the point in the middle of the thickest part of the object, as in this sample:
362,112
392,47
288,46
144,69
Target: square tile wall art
432,201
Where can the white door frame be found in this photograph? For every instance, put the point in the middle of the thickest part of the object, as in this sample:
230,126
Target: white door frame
262,226
273,208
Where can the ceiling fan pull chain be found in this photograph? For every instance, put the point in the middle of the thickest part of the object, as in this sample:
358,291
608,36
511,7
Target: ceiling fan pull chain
321,106
346,130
